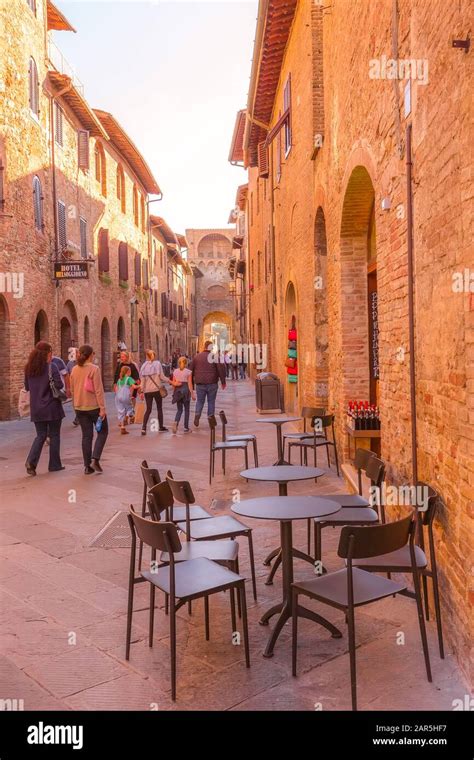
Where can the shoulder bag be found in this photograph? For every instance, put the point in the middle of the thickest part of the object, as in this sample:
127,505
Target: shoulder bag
58,393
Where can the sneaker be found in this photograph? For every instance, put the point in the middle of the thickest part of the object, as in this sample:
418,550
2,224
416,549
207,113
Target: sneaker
163,430
188,430
96,465
174,427
143,431
88,471
196,420
123,431
31,469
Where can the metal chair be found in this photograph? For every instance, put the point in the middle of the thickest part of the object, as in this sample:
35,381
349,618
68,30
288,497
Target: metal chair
249,437
353,515
223,526
181,581
361,461
400,561
353,587
222,446
318,438
307,413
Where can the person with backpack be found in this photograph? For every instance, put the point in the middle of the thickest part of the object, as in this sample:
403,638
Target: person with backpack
45,386
152,380
182,382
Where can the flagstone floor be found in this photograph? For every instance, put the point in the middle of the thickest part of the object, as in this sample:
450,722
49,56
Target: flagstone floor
63,602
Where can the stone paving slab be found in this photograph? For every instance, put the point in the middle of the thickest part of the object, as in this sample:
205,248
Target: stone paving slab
53,584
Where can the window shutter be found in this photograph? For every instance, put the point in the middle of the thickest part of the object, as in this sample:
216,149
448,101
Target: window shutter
62,233
155,303
287,107
2,191
145,273
83,148
37,203
58,124
263,168
123,262
103,251
138,269
33,87
83,235
180,314
164,305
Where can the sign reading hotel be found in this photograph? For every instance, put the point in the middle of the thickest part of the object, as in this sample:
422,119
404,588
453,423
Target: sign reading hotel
68,271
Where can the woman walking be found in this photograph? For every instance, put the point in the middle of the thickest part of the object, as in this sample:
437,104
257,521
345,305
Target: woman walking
123,398
152,378
88,399
43,381
183,392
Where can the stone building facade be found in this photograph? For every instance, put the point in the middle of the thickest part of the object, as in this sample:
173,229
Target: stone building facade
210,251
74,190
330,140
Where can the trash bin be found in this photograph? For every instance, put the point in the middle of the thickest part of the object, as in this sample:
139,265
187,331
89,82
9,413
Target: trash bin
268,393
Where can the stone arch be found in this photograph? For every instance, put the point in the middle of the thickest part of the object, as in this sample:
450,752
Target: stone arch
357,238
106,355
41,329
6,385
321,308
216,326
68,330
214,245
121,332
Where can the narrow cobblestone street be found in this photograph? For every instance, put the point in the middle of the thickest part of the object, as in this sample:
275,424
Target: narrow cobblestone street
63,602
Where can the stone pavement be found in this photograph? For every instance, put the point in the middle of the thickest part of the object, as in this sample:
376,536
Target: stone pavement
63,602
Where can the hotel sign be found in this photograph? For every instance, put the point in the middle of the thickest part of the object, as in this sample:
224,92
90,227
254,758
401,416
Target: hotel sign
66,270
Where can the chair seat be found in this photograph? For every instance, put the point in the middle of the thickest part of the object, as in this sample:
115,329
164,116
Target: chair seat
230,445
194,577
347,499
243,437
321,440
195,513
297,436
400,560
216,527
350,516
219,551
333,587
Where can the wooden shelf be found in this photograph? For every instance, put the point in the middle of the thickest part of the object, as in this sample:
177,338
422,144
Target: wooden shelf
362,433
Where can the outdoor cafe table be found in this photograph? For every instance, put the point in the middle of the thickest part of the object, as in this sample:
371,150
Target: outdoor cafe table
286,509
283,474
278,422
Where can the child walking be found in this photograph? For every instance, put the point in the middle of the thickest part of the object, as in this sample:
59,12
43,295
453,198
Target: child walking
182,382
123,398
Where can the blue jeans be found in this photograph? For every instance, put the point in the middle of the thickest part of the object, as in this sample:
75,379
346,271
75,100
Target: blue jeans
204,390
183,406
43,430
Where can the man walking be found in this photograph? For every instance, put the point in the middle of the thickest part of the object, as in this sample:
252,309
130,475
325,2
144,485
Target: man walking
206,374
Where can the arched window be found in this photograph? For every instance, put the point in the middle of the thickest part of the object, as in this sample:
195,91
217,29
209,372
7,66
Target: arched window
135,206
38,203
121,188
100,168
143,214
33,83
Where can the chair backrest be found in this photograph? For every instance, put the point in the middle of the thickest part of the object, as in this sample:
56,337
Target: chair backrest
181,490
223,418
361,461
160,498
158,535
375,471
322,421
312,411
212,426
357,542
150,475
433,498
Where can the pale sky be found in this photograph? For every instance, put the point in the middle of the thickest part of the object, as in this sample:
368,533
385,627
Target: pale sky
174,74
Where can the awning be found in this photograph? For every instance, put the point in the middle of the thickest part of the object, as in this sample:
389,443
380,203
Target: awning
78,105
56,20
124,145
237,241
236,153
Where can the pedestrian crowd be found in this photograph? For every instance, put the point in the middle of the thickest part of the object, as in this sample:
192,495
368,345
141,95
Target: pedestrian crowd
50,382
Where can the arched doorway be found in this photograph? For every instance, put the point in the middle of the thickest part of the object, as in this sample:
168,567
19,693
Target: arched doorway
66,338
120,332
41,327
321,310
106,355
291,335
359,308
217,326
141,341
87,330
6,385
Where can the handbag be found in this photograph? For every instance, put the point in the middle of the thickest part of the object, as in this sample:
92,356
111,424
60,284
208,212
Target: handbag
24,403
161,388
292,334
292,344
58,393
292,353
290,362
139,411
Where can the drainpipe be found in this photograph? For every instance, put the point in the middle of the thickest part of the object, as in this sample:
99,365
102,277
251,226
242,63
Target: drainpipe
411,310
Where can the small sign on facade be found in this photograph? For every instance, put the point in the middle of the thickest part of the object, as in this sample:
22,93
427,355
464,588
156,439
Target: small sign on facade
64,270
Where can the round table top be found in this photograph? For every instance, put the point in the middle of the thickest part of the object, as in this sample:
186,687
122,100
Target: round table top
278,420
286,507
283,473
